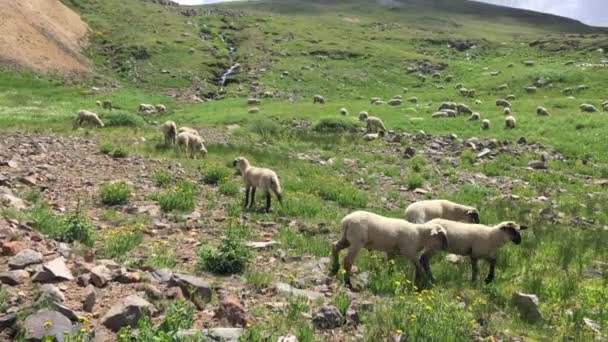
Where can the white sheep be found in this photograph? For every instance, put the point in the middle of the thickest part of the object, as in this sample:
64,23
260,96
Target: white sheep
98,103
502,103
463,109
169,130
87,117
413,99
510,122
494,73
438,115
257,177
568,91
363,229
510,97
506,111
449,78
394,102
582,87
485,124
192,144
478,102
160,108
478,241
318,99
107,104
542,111
448,105
253,110
373,100
424,211
146,108
471,93
528,63
378,103
459,86
268,94
475,117
450,112
343,111
530,90
373,124
253,101
464,92
605,107
589,108
405,90
502,87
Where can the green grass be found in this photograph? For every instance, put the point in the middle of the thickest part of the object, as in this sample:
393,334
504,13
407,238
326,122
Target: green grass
117,193
180,199
115,243
73,227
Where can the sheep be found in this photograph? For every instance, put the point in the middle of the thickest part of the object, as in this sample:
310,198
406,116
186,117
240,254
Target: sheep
442,114
485,124
405,90
253,110
146,108
394,102
268,94
449,78
450,112
494,73
477,241
318,99
98,103
373,100
582,87
378,103
191,131
436,75
568,91
362,229
191,143
464,109
448,105
254,102
88,117
257,177
459,86
510,97
472,93
421,77
507,111
374,124
373,136
588,108
502,103
605,107
530,90
160,108
502,87
528,63
542,111
413,99
464,92
510,122
398,97
106,104
475,117
424,211
169,130
478,102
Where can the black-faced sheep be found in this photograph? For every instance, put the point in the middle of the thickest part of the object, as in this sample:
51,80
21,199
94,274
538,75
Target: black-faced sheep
257,177
318,99
475,117
146,108
588,108
424,211
528,63
530,90
542,111
87,117
510,97
343,111
160,108
373,100
510,122
448,105
106,104
463,109
373,124
413,99
568,91
502,87
502,103
253,110
485,124
394,102
169,130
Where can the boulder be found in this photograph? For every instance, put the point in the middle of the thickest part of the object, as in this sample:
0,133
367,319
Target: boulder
287,291
90,297
233,311
127,312
15,277
54,270
25,258
46,323
100,276
527,304
328,317
192,286
215,334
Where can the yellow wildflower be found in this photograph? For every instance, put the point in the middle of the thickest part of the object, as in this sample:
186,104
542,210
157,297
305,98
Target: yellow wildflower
399,331
48,324
428,307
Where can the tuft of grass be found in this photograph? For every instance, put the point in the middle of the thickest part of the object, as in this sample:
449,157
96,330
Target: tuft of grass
216,174
73,227
162,178
333,125
115,243
122,119
230,188
258,280
414,181
232,255
161,255
117,193
180,199
113,151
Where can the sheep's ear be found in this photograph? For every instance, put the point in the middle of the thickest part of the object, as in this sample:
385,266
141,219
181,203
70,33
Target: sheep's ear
523,227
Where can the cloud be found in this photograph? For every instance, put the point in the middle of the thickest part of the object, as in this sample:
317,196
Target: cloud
592,12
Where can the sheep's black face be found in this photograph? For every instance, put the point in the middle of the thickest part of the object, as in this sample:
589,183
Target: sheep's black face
474,216
516,238
235,163
513,230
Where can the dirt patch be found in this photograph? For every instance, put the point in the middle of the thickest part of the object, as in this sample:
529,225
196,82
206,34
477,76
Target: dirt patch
42,35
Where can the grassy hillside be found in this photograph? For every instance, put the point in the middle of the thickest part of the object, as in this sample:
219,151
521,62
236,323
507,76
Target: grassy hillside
350,51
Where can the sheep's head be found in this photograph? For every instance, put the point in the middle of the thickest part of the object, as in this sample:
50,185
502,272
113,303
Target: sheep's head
363,116
439,235
473,215
241,162
513,230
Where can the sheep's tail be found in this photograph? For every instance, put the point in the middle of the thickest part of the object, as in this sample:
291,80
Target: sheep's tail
275,186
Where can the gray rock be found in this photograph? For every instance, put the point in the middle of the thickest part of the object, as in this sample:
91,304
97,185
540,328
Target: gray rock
64,249
90,297
261,244
215,334
400,338
599,269
328,317
100,275
484,153
50,293
454,259
161,276
352,317
25,258
192,286
13,202
83,280
54,270
409,152
7,321
527,304
360,281
126,313
64,310
288,291
15,277
152,292
591,324
537,165
288,338
46,323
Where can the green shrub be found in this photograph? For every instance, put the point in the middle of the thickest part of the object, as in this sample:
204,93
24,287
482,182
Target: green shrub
178,316
216,175
344,194
117,193
414,181
162,178
123,119
74,227
113,151
117,242
232,255
161,256
229,188
266,128
333,125
179,199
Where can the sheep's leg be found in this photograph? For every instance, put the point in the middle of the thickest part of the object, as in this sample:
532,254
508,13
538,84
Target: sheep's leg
246,197
252,197
335,254
348,261
420,274
425,260
490,277
473,269
268,200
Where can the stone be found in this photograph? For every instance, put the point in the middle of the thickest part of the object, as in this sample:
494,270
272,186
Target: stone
352,317
161,276
12,248
100,275
599,269
400,338
55,269
83,280
152,292
328,317
25,258
127,312
288,338
64,310
15,277
527,304
409,152
287,291
233,311
129,277
90,297
7,321
484,153
359,281
261,244
215,334
50,293
591,324
454,259
192,286
46,323
12,201
522,141
64,249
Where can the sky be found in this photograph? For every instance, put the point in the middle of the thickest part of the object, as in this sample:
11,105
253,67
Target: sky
592,12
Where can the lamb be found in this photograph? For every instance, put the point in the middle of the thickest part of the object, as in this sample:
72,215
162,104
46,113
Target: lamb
478,102
510,97
169,130
568,91
98,103
475,117
394,102
542,111
424,211
448,105
530,90
377,103
529,63
191,131
582,87
268,94
256,177
413,99
318,99
373,100
605,106
160,108
477,241
436,75
398,97
485,124
502,103
253,110
253,101
106,104
374,124
588,108
464,92
494,73
449,78
192,144
146,108
507,111
88,117
502,87
472,93
464,109
510,122
459,86
367,230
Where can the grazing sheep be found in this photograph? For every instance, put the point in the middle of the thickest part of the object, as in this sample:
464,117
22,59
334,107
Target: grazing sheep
106,104
450,112
98,103
472,93
405,90
146,108
449,78
160,108
254,102
363,229
257,177
169,130
582,87
268,94
373,136
421,77
424,211
394,102
413,99
510,97
530,90
507,111
567,91
374,124
485,124
398,97
588,108
475,117
529,63
87,117
477,241
502,103
463,109
459,86
605,107
191,131
253,110
510,122
191,143
343,111
464,92
444,114
494,73
448,105
436,75
478,102
318,99
542,111
373,100
502,87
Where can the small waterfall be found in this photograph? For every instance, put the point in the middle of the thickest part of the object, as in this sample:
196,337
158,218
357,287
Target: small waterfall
231,71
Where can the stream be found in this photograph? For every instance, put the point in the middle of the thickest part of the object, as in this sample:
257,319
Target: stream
232,70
